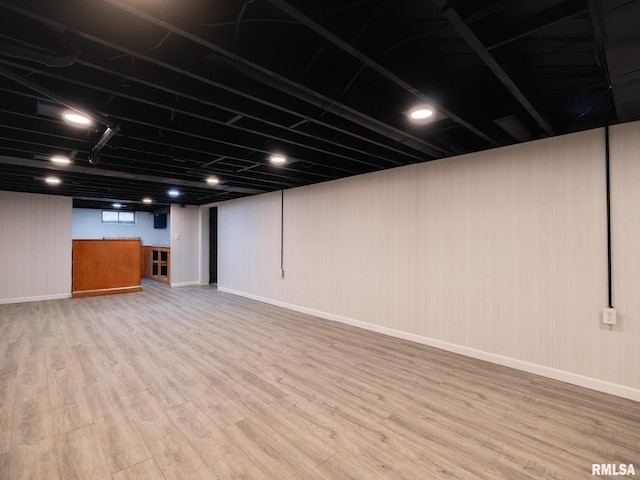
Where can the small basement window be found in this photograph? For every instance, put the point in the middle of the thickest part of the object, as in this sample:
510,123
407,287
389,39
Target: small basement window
114,216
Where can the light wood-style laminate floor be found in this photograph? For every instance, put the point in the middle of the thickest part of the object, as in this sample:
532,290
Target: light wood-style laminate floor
192,383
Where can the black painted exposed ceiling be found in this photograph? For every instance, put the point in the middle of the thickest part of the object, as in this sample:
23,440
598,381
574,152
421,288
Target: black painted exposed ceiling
196,88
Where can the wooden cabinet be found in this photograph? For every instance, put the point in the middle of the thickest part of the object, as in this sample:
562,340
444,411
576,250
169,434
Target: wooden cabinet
103,267
156,263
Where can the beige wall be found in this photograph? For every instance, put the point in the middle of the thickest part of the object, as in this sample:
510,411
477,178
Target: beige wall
35,247
623,345
499,254
249,243
185,245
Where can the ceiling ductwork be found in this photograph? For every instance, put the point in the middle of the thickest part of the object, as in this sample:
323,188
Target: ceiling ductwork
64,58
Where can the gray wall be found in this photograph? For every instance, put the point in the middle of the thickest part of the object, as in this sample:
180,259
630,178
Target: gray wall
35,247
36,244
499,254
185,245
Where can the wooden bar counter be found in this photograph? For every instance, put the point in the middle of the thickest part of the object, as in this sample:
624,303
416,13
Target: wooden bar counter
104,267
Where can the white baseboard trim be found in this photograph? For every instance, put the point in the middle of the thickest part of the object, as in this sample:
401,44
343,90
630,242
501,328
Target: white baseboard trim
185,284
549,372
39,298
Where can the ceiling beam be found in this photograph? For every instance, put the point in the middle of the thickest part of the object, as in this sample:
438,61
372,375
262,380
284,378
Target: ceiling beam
292,88
369,62
494,7
102,172
535,23
251,111
298,148
615,24
356,37
474,42
198,100
74,19
19,120
128,156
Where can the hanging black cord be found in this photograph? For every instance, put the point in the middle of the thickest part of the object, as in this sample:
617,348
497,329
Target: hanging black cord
281,232
608,180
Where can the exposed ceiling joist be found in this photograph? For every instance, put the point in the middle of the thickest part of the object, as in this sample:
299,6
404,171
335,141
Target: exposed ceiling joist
288,86
535,23
202,90
370,63
617,30
474,42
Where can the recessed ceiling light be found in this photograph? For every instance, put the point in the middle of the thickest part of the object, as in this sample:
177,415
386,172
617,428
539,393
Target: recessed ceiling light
213,180
60,160
116,205
76,118
147,200
420,113
278,159
52,180
173,193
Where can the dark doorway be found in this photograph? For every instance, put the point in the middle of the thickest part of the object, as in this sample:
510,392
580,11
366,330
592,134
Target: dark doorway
213,245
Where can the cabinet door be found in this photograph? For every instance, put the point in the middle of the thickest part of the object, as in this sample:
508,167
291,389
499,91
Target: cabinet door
164,265
154,263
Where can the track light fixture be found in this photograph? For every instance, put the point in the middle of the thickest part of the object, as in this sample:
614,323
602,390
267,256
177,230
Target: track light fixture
94,156
94,153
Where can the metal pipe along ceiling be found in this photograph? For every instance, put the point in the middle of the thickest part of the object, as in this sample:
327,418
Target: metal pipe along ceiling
65,58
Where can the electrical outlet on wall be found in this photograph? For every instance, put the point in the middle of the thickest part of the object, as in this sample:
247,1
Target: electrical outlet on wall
609,316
